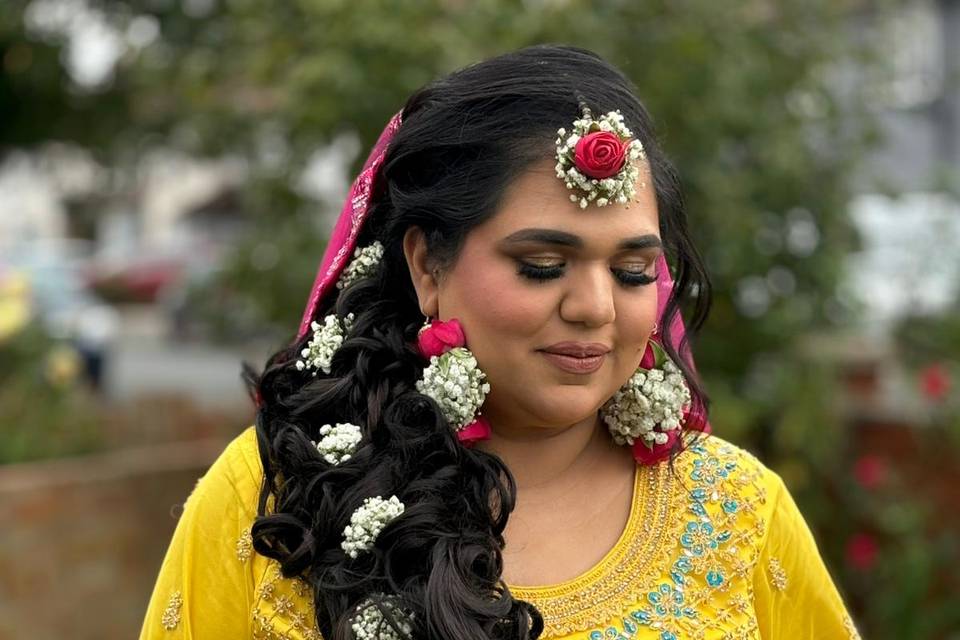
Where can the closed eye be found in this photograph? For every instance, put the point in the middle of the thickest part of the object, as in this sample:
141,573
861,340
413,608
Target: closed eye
542,272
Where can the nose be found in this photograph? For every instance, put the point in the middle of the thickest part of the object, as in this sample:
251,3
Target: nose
589,297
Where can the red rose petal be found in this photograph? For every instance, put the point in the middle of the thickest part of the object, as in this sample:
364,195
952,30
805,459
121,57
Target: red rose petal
477,430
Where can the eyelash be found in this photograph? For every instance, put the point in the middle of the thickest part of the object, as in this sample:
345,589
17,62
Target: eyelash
626,278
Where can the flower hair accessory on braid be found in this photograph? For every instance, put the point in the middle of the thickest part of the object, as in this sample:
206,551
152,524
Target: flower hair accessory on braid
367,522
364,264
370,623
598,159
338,443
327,338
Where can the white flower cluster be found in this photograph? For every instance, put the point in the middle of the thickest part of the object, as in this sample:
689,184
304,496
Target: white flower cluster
364,263
457,384
617,188
338,443
370,623
367,522
654,398
327,338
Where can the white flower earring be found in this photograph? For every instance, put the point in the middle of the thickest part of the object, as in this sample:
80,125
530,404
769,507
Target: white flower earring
649,410
453,379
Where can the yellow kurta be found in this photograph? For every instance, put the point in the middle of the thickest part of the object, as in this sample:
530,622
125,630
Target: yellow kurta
716,551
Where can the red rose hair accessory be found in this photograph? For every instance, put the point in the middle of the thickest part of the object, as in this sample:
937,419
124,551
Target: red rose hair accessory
598,159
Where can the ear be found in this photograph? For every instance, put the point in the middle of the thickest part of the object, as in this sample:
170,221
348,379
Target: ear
422,272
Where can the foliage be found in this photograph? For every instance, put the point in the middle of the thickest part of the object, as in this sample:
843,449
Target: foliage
46,410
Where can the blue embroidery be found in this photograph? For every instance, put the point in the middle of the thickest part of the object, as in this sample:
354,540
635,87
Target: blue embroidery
700,544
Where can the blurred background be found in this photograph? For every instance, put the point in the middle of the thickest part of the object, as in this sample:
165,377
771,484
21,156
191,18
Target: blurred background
170,169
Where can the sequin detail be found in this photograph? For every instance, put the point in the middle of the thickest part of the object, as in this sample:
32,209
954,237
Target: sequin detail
171,615
778,576
283,608
244,546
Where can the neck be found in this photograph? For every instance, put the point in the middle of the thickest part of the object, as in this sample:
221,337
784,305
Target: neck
542,458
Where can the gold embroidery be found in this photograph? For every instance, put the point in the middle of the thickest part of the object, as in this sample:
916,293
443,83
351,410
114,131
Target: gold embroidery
171,615
300,587
717,580
578,604
714,506
244,546
778,576
283,605
283,608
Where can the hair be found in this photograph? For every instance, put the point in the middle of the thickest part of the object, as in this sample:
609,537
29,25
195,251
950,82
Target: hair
463,140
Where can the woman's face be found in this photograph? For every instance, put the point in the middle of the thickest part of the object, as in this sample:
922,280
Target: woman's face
543,278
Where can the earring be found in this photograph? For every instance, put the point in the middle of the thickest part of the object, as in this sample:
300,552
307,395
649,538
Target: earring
647,412
453,379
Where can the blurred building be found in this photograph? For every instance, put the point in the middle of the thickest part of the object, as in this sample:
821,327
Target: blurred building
908,209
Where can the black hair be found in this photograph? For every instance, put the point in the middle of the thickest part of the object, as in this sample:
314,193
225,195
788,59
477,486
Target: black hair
463,139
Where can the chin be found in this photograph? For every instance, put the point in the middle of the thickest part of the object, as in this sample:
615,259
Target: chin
564,411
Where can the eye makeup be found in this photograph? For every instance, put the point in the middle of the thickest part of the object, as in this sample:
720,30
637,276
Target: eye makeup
542,273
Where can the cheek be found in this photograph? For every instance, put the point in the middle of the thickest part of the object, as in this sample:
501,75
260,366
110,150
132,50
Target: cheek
636,317
492,302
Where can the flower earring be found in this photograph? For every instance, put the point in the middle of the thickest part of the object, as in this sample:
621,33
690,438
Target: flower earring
648,411
453,378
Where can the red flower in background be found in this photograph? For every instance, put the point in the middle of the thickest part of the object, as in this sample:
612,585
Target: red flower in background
870,471
862,551
935,382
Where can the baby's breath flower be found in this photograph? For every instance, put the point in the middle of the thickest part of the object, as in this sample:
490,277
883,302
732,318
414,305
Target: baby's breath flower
457,384
367,522
654,398
364,263
327,338
619,188
338,443
371,624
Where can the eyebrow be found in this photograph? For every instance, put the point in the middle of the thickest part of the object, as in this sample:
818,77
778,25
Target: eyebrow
553,236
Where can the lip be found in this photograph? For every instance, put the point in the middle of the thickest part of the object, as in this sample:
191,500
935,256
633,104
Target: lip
572,364
576,357
578,349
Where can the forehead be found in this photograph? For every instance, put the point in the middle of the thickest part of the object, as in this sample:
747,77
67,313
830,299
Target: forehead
538,198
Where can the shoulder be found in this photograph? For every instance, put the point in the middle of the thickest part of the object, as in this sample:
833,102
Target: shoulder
235,476
730,484
711,459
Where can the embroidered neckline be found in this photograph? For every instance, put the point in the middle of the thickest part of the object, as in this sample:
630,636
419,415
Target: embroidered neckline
603,590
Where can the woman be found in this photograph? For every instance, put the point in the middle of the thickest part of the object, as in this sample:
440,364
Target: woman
490,425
